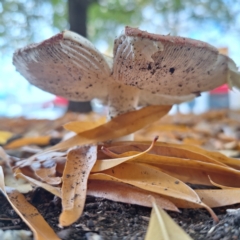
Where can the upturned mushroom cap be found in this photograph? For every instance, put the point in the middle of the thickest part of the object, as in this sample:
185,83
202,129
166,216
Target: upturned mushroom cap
146,68
67,65
169,65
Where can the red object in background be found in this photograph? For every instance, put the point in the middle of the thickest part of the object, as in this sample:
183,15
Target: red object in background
220,90
56,102
59,101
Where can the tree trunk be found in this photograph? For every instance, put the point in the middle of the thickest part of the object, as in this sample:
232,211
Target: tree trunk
77,15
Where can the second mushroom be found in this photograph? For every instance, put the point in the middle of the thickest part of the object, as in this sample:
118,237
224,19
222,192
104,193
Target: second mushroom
145,69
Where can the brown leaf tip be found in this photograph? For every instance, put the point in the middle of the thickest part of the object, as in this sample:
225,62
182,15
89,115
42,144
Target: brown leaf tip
155,139
58,37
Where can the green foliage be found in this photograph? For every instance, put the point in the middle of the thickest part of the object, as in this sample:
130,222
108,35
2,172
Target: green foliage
106,17
24,21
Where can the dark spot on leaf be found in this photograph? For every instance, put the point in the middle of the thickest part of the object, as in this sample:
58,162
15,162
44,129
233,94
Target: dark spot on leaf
171,70
198,94
149,66
153,71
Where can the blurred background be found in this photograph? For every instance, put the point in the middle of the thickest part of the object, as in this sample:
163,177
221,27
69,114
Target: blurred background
26,21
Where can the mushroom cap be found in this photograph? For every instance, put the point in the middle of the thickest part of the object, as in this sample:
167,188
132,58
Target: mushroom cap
167,69
167,65
67,65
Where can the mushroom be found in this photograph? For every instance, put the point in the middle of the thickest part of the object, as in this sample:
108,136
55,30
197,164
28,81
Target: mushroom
169,65
146,69
70,66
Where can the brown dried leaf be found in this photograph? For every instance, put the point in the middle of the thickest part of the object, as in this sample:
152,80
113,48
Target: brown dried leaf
171,150
119,126
41,140
152,179
191,171
48,175
120,192
104,164
219,197
54,190
10,181
27,212
163,227
74,188
81,126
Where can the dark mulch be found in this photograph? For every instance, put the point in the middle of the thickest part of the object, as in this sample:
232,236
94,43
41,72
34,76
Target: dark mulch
111,220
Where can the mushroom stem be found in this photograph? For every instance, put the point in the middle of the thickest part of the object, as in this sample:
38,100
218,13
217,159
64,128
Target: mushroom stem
122,99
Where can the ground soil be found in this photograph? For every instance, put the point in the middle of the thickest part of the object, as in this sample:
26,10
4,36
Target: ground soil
103,219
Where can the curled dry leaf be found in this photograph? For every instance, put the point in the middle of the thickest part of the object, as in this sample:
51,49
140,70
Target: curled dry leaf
36,160
169,149
216,156
163,227
219,197
41,140
152,179
27,212
168,128
122,125
10,181
218,185
81,126
74,187
192,171
54,190
190,151
48,175
171,157
103,164
120,192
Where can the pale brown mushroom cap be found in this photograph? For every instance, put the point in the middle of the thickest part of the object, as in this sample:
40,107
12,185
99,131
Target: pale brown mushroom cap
166,69
168,65
67,65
